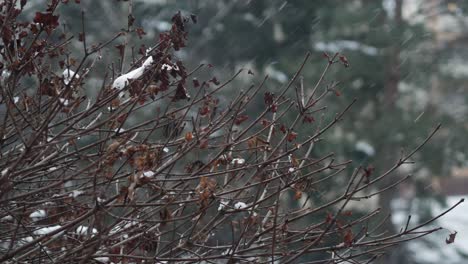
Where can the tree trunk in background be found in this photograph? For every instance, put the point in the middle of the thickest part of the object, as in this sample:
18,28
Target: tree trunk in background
393,256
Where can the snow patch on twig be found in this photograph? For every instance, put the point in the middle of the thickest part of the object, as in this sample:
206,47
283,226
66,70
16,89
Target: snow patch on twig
240,205
148,174
76,193
38,214
125,79
7,218
102,259
222,205
46,230
83,230
238,161
64,101
67,76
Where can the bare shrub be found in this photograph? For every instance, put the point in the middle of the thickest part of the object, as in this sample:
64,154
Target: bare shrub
163,167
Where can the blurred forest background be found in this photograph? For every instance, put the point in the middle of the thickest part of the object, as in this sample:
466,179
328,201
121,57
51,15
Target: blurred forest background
408,71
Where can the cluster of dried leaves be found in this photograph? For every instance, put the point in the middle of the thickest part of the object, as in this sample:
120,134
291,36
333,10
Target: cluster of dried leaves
166,168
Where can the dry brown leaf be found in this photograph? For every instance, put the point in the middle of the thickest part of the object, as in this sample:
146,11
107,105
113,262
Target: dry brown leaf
188,136
451,238
297,195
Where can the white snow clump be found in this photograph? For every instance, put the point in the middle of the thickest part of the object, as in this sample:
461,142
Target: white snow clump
125,79
67,76
365,147
222,205
83,230
240,205
38,214
238,161
46,230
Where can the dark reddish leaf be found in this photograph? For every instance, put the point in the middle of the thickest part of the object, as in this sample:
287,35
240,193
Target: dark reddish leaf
7,34
47,20
181,93
269,98
329,218
121,118
210,65
23,3
164,84
77,1
325,55
214,80
337,93
178,21
46,88
173,73
81,37
203,144
142,100
140,32
182,72
204,110
135,87
34,28
292,136
240,118
142,50
347,213
164,39
177,34
23,34
274,108
283,129
196,83
348,238
121,48
308,119
451,238
344,60
265,122
368,171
